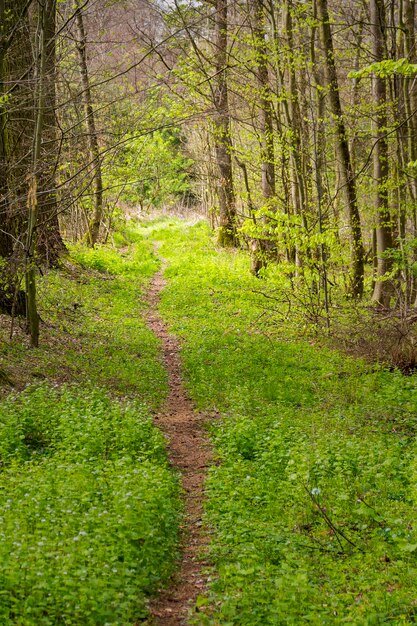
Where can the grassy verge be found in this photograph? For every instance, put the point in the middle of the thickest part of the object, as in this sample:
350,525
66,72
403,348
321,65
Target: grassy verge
91,325
313,503
88,505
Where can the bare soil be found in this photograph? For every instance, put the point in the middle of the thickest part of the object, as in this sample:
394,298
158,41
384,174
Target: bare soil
189,452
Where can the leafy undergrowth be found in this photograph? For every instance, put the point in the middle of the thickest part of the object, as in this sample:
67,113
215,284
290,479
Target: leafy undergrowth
91,325
312,505
89,508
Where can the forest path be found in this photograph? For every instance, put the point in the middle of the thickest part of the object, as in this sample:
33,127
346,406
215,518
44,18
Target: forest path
189,452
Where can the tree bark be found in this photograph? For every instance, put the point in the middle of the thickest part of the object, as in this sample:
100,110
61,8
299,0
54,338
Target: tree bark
383,288
6,240
41,83
262,247
343,153
16,114
50,245
94,225
222,137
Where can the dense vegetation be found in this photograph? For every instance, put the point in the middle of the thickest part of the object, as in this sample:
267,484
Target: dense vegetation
312,503
291,124
88,505
291,127
88,508
311,499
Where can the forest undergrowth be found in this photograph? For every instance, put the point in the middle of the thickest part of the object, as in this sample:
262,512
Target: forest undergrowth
312,500
89,507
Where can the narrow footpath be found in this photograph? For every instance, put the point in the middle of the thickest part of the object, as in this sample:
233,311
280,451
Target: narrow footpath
189,452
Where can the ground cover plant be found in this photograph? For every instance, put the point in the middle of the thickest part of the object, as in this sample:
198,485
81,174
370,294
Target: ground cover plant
312,504
91,327
89,507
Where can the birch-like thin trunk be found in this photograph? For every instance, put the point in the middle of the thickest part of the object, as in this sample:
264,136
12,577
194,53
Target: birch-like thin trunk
94,225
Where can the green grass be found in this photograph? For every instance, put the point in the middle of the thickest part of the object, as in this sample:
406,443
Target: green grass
89,508
312,503
91,325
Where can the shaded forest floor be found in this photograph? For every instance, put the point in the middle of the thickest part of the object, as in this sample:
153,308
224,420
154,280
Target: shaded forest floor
311,492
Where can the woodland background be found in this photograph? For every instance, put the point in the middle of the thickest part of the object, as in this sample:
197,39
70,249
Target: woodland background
291,124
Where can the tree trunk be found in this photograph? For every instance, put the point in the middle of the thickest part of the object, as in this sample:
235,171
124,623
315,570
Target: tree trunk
94,226
383,288
45,10
15,126
293,116
409,148
49,245
343,153
262,247
6,240
222,137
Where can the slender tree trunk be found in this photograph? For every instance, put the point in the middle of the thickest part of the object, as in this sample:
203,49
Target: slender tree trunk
44,10
50,244
94,226
265,102
222,136
6,241
410,104
383,288
343,152
291,113
262,247
319,146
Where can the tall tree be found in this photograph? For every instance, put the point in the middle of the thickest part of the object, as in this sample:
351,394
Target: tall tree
50,245
45,13
266,127
94,225
343,151
222,130
384,242
16,132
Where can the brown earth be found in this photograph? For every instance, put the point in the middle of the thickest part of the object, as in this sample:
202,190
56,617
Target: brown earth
189,452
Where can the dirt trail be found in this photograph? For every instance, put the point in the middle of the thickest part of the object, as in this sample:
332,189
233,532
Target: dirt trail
189,452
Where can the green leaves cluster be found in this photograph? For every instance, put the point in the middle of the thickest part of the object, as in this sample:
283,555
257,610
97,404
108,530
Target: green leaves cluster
150,170
387,68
